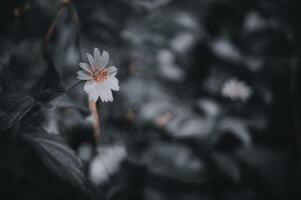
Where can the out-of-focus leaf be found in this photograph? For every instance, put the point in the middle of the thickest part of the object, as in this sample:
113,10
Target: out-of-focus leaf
267,160
209,107
185,166
223,48
151,5
188,124
227,166
13,108
48,95
52,87
64,102
237,128
168,67
52,76
58,157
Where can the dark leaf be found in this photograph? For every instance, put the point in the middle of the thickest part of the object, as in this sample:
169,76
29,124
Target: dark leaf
52,86
48,95
58,157
13,108
22,170
8,80
227,166
52,76
64,102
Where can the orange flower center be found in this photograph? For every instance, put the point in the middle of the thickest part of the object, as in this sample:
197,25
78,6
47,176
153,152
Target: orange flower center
100,75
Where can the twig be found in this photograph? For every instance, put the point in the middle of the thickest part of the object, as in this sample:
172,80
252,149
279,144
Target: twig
73,86
49,34
76,20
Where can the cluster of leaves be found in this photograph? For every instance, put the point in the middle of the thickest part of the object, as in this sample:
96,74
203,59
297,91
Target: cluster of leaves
169,133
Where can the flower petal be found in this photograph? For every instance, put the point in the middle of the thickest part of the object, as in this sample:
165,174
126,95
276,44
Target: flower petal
104,59
112,71
90,86
112,83
85,67
93,96
109,94
81,75
104,93
97,58
91,61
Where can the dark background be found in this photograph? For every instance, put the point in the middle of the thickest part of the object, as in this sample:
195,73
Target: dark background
169,133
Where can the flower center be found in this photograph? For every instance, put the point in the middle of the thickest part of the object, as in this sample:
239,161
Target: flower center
100,75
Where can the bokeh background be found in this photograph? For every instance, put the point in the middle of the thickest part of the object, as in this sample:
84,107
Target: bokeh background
169,133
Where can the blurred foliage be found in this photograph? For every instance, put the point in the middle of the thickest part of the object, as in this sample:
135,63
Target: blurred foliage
169,134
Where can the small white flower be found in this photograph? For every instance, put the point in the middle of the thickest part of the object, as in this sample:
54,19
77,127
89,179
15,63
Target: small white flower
236,90
100,79
106,163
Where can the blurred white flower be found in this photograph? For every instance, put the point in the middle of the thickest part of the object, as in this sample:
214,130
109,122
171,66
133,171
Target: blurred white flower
85,152
100,80
236,90
106,163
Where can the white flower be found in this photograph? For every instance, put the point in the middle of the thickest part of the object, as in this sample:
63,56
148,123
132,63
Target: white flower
100,79
106,163
236,90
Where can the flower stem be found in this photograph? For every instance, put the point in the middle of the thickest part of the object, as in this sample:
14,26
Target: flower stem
96,126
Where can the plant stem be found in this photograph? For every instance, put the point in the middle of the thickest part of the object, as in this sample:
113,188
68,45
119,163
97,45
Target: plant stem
96,126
